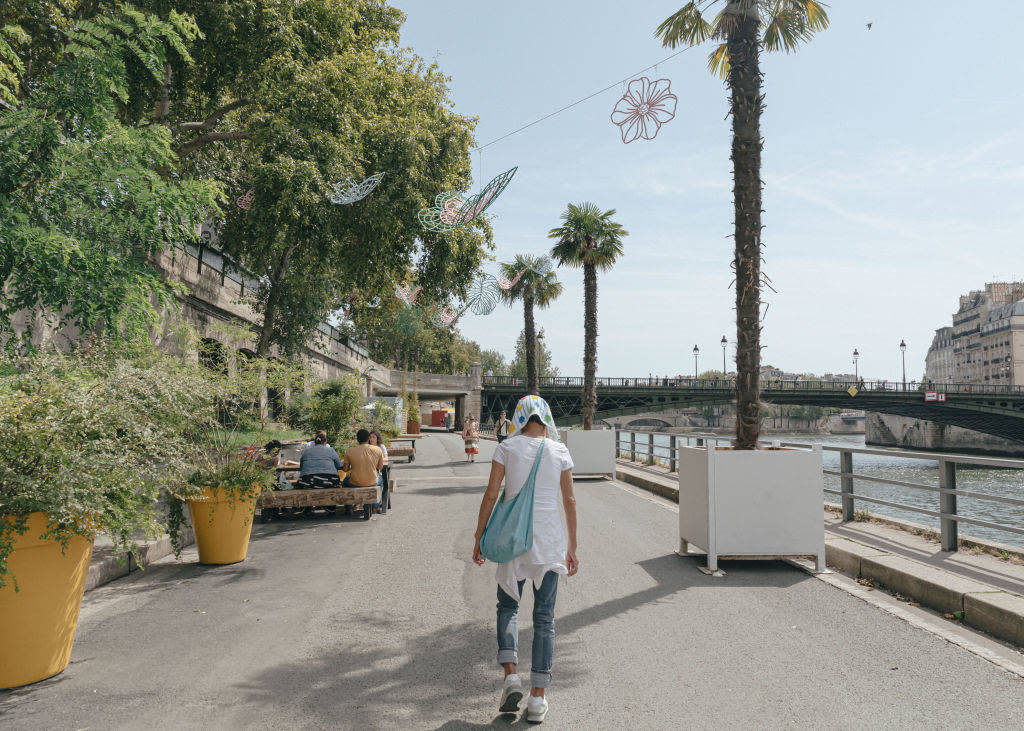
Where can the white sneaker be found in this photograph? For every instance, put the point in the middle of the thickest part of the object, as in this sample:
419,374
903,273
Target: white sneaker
536,709
511,694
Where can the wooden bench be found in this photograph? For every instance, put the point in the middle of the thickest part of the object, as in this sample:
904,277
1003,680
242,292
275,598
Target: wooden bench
271,502
409,452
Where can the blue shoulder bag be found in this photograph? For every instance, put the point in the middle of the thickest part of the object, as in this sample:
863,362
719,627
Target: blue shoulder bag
509,532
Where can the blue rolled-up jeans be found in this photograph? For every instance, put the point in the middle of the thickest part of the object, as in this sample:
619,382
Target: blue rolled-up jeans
543,629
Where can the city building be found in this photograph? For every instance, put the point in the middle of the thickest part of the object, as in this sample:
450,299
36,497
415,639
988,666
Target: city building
985,344
939,361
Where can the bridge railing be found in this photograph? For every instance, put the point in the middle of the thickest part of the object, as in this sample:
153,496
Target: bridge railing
771,384
995,512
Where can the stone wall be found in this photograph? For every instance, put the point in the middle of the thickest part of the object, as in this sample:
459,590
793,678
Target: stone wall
885,430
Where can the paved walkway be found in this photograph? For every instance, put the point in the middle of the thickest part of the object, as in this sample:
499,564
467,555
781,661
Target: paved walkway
341,623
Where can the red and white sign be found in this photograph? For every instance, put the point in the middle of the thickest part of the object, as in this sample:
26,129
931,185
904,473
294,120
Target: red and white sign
934,396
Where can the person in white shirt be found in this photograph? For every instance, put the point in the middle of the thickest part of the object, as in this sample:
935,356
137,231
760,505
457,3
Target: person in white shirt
553,552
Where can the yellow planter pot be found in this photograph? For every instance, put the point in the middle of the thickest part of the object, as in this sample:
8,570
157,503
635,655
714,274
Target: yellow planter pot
222,524
38,622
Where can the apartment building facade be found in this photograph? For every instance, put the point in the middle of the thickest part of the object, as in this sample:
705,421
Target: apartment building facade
985,343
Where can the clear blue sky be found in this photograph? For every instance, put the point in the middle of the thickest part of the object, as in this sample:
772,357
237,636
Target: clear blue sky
893,168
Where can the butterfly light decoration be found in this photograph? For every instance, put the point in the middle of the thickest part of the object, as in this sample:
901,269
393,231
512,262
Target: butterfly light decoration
245,200
506,283
349,191
406,294
452,210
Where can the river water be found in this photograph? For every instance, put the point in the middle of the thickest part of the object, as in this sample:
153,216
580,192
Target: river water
1006,483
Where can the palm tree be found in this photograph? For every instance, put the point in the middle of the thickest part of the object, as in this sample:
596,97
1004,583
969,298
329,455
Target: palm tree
590,239
742,27
537,286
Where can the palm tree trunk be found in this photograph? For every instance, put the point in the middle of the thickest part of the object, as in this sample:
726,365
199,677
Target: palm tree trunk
745,85
530,341
589,344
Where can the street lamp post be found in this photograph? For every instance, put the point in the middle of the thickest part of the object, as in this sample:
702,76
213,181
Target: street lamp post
696,354
903,352
724,343
856,357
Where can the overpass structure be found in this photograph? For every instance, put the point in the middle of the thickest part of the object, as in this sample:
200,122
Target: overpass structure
996,410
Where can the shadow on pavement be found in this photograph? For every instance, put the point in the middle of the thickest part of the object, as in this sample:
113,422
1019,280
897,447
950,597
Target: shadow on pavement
400,467
374,686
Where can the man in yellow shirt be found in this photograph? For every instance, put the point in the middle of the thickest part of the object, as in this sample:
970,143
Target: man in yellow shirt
363,462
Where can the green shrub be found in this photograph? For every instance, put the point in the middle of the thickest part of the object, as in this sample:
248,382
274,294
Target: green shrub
90,440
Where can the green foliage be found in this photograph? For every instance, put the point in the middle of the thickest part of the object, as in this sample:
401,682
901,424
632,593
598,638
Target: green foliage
587,236
542,289
334,407
783,24
413,415
90,439
493,361
85,204
545,366
380,418
342,99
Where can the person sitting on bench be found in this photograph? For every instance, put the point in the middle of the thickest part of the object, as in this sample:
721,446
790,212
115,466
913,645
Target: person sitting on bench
363,462
319,465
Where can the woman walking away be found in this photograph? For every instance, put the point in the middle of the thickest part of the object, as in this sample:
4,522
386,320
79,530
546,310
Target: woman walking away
319,465
471,437
530,456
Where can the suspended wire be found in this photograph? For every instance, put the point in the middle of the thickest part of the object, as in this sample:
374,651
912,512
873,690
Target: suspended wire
584,99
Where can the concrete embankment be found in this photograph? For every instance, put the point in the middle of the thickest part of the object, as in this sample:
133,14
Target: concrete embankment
980,591
886,430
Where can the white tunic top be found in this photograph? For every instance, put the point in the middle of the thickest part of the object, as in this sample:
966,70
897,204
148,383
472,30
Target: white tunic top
549,540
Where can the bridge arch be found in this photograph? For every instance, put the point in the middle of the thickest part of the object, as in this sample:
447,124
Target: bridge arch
647,422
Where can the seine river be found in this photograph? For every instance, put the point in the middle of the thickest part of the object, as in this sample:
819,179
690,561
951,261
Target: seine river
1007,483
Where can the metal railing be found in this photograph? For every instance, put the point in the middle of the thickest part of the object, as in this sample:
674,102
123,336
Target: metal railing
210,258
634,444
768,384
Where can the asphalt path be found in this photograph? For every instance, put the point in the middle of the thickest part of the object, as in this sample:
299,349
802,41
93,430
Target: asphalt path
334,622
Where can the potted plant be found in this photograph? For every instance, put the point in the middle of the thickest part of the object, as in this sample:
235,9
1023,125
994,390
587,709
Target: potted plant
412,425
744,500
87,440
228,477
222,505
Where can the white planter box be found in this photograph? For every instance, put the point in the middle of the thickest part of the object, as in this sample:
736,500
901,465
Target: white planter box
752,504
593,452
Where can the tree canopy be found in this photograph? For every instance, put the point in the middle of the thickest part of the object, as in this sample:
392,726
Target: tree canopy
286,98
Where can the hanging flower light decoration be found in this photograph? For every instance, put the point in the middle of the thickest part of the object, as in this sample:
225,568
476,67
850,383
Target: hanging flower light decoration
349,191
451,210
245,200
506,283
406,294
644,107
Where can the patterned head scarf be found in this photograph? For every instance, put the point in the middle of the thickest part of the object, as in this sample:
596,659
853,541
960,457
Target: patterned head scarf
527,407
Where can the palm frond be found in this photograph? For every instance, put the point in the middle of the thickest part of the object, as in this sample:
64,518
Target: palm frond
686,26
788,23
718,61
